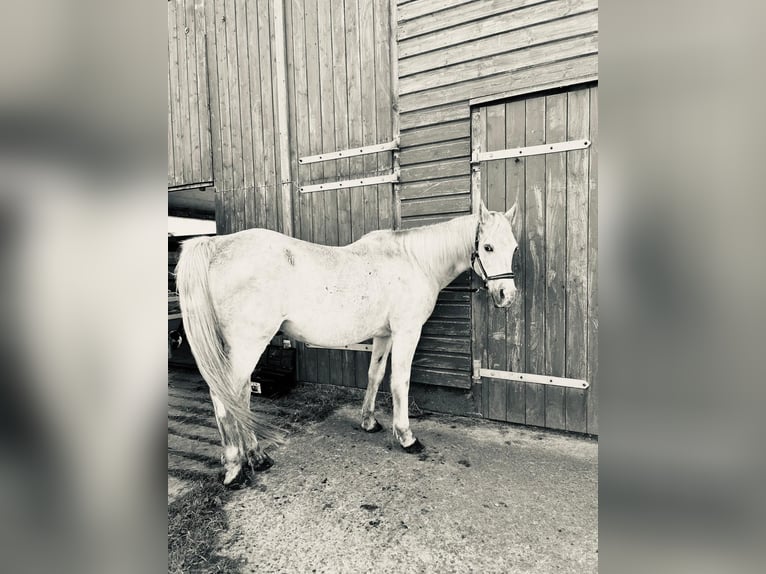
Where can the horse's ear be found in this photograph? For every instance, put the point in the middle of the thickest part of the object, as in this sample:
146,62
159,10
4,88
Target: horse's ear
511,213
483,213
512,216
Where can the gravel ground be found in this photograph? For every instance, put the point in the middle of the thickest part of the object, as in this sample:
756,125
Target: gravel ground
483,497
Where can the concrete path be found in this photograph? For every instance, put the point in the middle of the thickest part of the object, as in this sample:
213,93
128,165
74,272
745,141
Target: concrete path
484,497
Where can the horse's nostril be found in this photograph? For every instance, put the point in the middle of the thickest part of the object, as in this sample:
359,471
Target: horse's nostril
502,293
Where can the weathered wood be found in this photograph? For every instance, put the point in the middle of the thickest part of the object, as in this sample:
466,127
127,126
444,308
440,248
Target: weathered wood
183,81
257,203
515,134
444,378
283,135
534,279
203,88
450,204
369,112
592,371
445,345
220,50
578,123
500,63
555,261
434,134
326,101
451,328
436,187
425,359
431,152
383,112
414,9
266,43
515,14
356,137
215,108
436,115
193,69
515,38
585,65
445,168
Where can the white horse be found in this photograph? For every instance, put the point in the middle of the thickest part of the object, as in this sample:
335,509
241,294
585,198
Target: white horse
237,291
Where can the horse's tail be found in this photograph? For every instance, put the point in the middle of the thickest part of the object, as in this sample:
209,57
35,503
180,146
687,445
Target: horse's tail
206,339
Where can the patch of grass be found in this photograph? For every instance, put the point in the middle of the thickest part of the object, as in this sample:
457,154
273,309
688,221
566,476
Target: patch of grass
196,522
313,403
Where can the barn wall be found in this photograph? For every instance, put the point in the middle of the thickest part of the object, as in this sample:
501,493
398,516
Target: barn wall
449,53
189,139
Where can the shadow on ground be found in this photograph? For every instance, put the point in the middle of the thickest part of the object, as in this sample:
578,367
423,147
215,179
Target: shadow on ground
483,497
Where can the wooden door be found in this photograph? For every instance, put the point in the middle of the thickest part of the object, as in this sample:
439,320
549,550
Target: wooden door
551,329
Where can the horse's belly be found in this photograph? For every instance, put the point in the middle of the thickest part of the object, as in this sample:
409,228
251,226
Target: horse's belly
332,324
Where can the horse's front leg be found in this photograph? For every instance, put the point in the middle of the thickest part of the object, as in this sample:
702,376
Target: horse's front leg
404,343
381,347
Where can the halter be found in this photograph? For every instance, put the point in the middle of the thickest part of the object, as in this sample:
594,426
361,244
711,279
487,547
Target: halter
485,277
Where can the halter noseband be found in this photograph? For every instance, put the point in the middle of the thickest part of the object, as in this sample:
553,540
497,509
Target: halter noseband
485,277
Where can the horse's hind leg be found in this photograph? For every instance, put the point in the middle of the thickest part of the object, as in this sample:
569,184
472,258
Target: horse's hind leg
241,450
381,347
404,343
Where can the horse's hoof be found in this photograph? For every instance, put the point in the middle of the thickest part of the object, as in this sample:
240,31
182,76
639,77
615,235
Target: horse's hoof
264,463
415,447
240,480
375,428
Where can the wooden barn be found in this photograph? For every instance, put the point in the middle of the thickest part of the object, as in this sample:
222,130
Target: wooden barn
327,119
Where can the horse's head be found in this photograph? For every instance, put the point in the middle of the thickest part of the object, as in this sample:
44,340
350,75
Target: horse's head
496,256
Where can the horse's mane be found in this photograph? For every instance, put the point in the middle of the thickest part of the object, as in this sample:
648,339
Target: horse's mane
440,246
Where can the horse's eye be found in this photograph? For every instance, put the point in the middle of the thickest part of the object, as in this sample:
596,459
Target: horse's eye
488,247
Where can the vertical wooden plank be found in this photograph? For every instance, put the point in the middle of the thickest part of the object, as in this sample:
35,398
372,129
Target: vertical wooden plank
340,110
301,137
283,134
274,191
255,111
326,91
515,130
183,84
246,120
578,126
355,135
593,390
497,355
369,125
478,317
555,259
190,34
534,279
203,102
395,124
267,102
175,91
221,49
232,59
171,152
381,14
292,119
315,117
215,109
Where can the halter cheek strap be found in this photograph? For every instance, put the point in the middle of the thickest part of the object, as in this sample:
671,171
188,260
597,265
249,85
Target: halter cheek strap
475,257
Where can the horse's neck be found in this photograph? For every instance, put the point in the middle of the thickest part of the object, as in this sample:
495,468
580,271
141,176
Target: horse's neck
444,250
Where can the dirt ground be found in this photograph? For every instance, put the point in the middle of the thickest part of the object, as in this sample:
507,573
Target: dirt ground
483,497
